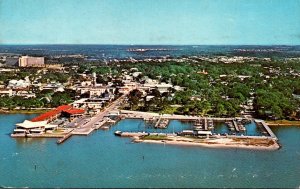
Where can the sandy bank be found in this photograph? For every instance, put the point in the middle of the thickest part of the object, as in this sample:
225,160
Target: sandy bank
215,143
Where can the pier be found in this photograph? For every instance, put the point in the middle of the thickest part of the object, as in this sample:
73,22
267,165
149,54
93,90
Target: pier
267,128
205,124
93,123
157,123
235,126
64,138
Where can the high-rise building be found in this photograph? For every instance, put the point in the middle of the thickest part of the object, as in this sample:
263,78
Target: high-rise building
28,61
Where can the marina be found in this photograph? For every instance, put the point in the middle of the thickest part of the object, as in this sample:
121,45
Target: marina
83,125
150,94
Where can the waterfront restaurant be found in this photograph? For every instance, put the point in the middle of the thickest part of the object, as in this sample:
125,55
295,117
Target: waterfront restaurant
31,127
52,114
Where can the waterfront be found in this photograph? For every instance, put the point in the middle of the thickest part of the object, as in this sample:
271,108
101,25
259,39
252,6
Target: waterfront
103,160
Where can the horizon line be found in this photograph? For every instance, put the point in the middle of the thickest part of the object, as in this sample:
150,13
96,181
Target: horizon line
25,44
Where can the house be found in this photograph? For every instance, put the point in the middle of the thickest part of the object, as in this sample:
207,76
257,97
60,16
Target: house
93,103
55,86
25,93
15,84
149,97
7,92
162,87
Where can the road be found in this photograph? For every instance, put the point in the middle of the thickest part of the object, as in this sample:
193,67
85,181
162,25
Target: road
89,127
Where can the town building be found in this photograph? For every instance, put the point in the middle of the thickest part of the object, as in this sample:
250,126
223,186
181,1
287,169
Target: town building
11,61
28,61
55,113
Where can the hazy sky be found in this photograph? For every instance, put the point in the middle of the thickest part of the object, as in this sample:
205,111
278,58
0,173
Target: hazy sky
150,22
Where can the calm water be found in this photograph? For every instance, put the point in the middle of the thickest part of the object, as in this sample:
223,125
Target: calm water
251,129
103,160
109,52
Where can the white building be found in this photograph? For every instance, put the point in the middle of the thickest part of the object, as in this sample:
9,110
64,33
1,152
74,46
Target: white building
27,61
7,92
14,84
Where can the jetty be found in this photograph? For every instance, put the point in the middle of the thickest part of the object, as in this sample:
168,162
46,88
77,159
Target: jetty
63,139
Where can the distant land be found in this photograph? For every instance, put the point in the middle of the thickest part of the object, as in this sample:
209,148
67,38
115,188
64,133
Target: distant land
110,52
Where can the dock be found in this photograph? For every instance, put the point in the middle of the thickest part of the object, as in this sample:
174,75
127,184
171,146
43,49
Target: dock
205,124
63,139
157,123
270,132
236,126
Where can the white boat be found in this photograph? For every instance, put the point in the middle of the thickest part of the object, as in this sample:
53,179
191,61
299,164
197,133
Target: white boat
118,133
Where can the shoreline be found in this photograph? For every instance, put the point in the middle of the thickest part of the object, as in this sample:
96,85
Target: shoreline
182,143
24,111
40,111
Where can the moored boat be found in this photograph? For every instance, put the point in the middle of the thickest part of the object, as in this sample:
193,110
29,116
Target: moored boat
118,133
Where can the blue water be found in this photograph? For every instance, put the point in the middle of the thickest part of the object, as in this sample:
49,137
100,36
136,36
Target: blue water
251,129
140,126
109,52
104,160
220,128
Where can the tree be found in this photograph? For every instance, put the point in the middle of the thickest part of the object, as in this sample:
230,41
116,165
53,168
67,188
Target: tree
220,110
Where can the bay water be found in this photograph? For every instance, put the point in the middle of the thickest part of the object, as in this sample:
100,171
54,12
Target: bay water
104,160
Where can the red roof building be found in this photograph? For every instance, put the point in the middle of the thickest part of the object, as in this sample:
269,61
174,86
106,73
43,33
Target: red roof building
64,107
74,111
52,114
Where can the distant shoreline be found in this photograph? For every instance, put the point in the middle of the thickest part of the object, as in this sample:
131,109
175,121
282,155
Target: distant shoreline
23,111
282,123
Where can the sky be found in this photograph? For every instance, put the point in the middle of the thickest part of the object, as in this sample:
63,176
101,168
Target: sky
173,22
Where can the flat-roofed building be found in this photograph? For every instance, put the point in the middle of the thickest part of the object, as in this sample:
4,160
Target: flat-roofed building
11,61
28,61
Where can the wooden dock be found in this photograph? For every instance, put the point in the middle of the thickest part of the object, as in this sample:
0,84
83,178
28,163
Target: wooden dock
236,126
